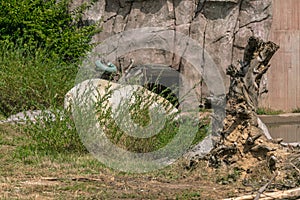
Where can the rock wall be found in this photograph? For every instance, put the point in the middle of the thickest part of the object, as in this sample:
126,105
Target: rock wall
221,27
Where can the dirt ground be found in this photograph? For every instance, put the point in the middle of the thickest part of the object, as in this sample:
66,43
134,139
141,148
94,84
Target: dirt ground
27,176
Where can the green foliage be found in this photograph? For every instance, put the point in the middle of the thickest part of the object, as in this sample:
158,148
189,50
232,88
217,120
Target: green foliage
53,134
231,177
31,81
268,111
46,24
189,195
297,110
39,44
140,115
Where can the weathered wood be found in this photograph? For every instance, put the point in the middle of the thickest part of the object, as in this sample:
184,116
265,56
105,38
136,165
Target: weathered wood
264,187
287,194
240,131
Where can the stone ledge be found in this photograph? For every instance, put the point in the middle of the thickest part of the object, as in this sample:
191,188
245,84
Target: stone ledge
281,119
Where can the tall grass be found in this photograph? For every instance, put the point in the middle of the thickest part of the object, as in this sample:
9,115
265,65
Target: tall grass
41,46
139,106
30,81
39,43
54,134
39,82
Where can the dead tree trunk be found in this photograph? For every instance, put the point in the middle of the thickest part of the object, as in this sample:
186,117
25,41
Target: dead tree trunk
241,140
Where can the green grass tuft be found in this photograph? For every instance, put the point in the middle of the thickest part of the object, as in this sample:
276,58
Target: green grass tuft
297,110
268,111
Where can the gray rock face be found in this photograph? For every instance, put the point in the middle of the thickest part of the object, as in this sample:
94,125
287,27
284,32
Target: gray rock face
221,27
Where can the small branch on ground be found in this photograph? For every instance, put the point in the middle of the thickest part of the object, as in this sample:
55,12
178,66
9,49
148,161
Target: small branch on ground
263,188
287,194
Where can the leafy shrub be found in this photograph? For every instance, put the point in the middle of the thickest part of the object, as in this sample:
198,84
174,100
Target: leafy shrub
39,44
46,24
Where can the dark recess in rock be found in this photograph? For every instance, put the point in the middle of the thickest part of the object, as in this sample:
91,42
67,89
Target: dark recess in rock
217,9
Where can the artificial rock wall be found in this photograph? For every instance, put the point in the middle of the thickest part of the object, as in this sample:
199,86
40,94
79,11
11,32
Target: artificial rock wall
221,27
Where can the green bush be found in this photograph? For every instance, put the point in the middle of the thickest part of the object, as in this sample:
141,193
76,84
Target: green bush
40,44
46,24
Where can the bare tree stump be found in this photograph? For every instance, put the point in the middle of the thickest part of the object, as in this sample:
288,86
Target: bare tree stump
242,142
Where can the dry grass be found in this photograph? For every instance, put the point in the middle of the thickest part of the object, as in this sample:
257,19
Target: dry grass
69,176
80,176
